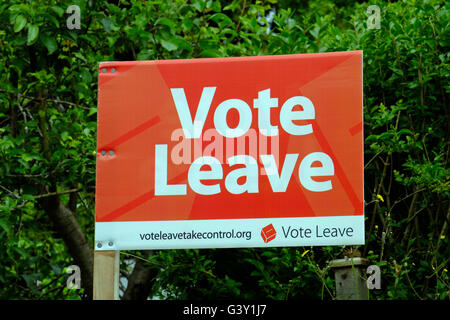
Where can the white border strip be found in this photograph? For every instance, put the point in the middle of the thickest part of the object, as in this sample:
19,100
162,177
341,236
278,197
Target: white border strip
229,233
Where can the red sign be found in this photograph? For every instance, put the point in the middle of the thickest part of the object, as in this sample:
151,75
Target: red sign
229,139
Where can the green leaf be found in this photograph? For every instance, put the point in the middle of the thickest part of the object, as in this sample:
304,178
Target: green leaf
52,18
92,111
165,22
20,251
143,55
55,268
221,19
107,24
24,163
31,279
315,32
20,23
65,135
58,10
169,45
181,43
199,5
5,225
33,33
49,42
209,53
86,76
27,157
27,197
80,56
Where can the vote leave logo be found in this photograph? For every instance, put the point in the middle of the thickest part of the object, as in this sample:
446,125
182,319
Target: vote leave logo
268,233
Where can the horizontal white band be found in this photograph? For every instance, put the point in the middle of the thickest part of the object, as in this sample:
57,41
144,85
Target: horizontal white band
229,233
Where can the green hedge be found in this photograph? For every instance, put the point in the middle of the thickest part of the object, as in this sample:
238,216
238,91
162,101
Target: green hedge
48,89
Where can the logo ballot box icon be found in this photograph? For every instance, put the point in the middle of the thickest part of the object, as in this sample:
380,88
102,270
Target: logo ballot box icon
268,233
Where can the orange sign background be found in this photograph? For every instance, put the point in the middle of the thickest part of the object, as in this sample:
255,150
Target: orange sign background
136,111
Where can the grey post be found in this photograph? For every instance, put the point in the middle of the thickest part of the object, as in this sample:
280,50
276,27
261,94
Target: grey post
350,278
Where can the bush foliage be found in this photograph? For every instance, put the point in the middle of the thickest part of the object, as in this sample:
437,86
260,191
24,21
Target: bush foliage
48,90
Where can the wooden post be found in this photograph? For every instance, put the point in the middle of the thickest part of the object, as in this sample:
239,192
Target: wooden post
350,276
106,275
